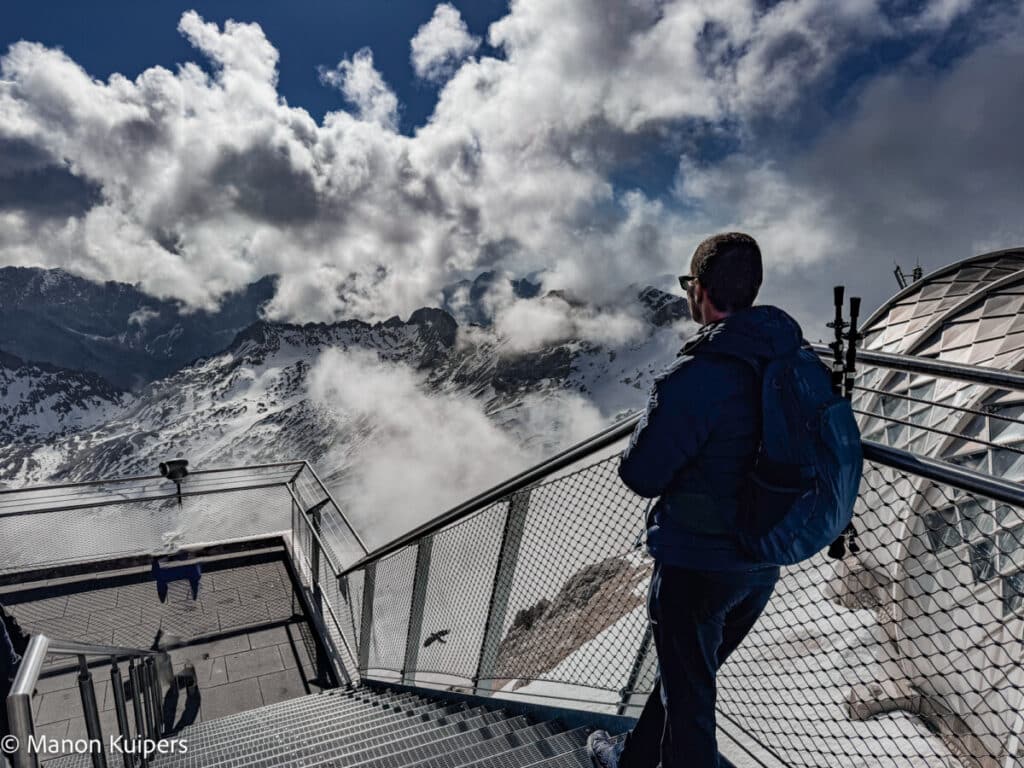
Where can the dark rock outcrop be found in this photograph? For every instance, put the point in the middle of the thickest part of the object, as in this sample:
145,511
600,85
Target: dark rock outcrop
114,330
551,630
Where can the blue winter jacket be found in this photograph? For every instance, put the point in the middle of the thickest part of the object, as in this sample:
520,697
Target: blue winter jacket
698,438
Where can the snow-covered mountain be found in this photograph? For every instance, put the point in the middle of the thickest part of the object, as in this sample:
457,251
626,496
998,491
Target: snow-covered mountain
40,402
252,402
113,329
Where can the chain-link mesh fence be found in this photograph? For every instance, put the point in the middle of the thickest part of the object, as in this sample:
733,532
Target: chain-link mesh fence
907,654
58,525
344,546
48,526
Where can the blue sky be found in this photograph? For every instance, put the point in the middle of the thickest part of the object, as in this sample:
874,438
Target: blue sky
596,142
128,37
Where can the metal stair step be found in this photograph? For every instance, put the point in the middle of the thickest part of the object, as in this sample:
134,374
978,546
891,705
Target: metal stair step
282,752
329,731
444,735
300,708
439,728
306,741
256,734
241,723
552,747
485,745
367,728
578,758
299,704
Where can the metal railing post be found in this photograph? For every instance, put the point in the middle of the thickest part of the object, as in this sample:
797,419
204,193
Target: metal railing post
366,620
153,686
117,685
508,557
416,606
92,714
19,717
346,595
19,702
147,701
138,704
318,593
646,647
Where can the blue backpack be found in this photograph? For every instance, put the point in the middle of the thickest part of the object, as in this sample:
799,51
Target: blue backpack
807,475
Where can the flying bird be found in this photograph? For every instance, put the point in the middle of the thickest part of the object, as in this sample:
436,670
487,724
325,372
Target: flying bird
437,637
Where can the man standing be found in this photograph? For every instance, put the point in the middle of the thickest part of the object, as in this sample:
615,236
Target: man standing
693,449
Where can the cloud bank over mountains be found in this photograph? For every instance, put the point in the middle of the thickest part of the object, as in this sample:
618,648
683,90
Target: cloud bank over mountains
197,182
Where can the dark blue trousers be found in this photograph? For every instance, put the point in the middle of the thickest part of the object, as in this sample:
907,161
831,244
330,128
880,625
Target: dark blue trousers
698,618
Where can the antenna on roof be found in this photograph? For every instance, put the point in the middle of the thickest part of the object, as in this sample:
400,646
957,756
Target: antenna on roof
918,272
901,278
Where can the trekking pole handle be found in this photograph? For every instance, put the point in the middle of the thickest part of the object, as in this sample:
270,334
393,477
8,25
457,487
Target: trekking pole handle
853,336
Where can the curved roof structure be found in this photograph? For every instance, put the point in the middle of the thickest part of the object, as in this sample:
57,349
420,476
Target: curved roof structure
926,535
970,312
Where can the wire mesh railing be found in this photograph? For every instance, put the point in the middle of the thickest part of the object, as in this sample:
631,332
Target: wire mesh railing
906,654
968,415
46,527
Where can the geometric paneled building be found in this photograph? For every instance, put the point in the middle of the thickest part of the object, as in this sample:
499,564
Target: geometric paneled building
971,312
946,570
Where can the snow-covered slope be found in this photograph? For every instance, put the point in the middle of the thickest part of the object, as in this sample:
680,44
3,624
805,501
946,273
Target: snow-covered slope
40,402
114,329
252,403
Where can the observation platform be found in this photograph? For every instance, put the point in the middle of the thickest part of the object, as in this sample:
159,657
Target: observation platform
504,630
247,634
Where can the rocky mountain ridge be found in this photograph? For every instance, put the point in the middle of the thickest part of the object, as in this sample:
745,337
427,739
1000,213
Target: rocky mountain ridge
114,330
250,402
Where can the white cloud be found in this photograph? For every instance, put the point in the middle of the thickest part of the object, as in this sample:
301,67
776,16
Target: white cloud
442,44
364,86
526,325
195,184
445,446
922,168
141,316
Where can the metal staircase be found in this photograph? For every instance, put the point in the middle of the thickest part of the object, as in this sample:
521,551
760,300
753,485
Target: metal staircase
502,631
370,727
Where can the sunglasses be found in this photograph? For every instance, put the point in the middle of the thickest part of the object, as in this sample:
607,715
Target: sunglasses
685,281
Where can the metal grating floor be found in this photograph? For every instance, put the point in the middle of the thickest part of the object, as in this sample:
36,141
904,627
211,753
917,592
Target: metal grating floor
368,727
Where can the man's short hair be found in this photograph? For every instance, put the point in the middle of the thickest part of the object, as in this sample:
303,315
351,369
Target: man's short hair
728,267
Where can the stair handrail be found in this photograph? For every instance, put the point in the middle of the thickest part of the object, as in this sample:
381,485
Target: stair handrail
928,366
144,678
623,427
568,457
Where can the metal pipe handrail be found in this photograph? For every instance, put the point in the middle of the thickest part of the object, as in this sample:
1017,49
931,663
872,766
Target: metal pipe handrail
528,477
72,648
142,478
944,432
992,414
316,534
323,487
948,474
614,433
18,703
975,374
31,665
40,646
136,499
931,469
